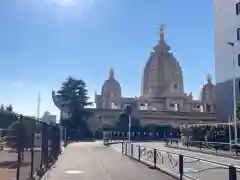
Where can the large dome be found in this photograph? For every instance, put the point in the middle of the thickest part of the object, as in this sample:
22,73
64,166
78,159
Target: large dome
162,74
111,88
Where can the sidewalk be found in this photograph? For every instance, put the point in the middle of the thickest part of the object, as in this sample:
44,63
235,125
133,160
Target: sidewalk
93,161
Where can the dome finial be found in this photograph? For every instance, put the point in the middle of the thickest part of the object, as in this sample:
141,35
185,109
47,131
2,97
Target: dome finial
161,43
209,78
161,29
111,74
161,32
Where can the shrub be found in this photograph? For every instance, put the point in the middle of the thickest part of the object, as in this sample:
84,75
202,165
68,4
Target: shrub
12,137
107,126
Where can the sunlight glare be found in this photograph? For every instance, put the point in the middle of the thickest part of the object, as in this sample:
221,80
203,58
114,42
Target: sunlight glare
66,2
74,3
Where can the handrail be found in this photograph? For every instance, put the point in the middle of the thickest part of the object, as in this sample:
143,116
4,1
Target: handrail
191,157
201,159
210,142
178,164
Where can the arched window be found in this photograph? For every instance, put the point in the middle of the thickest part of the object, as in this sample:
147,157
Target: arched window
175,86
238,58
238,34
208,108
238,8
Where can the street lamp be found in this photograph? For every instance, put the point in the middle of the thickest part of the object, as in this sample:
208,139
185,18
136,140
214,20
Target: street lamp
232,44
129,112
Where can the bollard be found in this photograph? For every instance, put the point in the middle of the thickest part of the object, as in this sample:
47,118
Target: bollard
131,150
181,166
232,173
162,159
155,158
139,153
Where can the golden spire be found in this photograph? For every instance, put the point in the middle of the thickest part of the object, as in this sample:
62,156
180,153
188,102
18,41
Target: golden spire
161,43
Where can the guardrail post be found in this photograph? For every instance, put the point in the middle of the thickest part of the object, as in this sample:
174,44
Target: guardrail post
131,150
155,157
125,148
32,154
232,173
139,153
181,166
19,147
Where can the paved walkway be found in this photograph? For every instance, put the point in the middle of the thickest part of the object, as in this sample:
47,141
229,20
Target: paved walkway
93,161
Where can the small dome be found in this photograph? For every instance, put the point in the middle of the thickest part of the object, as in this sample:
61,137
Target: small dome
208,91
209,78
111,87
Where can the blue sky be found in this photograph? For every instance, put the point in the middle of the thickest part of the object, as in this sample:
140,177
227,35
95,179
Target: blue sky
43,42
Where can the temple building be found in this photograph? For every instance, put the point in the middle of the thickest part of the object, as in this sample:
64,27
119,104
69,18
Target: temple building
162,98
162,87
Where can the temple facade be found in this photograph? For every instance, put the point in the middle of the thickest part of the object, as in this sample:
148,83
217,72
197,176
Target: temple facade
162,98
162,87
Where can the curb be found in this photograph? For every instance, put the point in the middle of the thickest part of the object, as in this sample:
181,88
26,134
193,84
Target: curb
46,175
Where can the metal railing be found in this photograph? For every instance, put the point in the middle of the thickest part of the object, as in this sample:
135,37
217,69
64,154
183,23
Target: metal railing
136,136
29,147
183,165
225,148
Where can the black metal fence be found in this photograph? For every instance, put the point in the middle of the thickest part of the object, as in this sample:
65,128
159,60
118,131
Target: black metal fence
135,136
218,148
180,165
28,147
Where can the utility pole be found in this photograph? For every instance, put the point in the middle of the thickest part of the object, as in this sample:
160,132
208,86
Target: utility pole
232,44
38,106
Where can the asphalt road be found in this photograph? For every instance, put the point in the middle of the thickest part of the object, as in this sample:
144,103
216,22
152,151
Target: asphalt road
192,167
93,161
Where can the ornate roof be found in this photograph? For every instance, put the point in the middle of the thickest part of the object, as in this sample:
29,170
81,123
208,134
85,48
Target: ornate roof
162,70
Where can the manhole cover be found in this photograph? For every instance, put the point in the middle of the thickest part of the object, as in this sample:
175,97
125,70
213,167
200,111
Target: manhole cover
74,172
189,170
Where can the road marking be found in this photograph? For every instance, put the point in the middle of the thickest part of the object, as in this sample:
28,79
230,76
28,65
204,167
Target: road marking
189,170
74,172
106,174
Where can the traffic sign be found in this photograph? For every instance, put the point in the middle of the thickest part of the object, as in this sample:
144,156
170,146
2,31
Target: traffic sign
128,109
